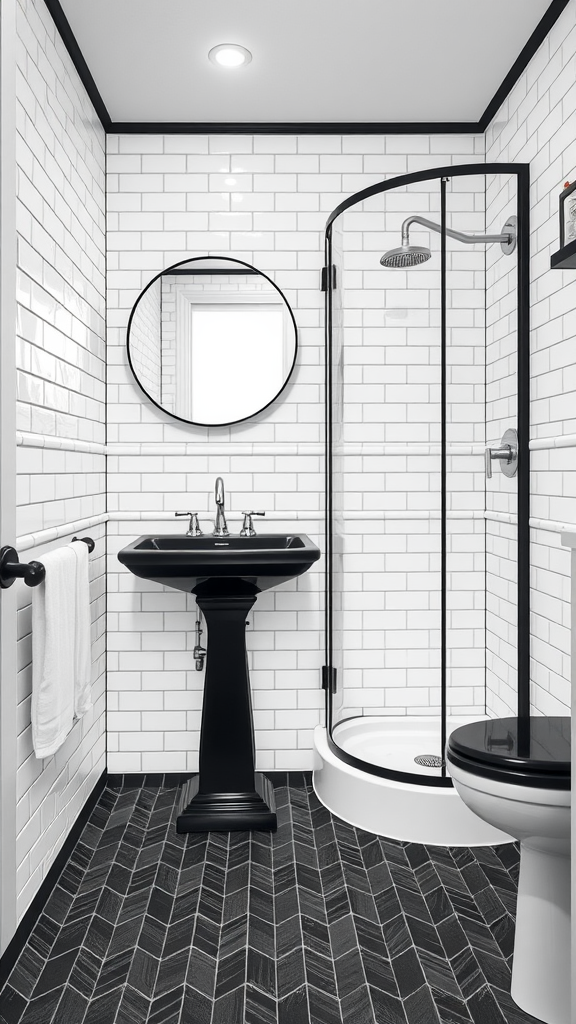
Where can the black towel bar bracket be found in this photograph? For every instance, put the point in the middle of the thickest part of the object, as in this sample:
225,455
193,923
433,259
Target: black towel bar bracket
33,573
11,568
90,544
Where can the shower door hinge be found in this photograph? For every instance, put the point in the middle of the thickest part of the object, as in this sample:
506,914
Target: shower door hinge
326,278
329,678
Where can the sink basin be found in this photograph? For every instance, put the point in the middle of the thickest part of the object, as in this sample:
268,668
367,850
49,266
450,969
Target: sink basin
208,565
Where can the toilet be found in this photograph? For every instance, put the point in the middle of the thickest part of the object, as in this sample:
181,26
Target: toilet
516,776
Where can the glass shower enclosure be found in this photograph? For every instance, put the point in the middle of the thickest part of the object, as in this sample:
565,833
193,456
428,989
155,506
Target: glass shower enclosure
427,363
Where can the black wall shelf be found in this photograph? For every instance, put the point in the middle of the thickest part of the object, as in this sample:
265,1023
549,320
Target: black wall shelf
565,258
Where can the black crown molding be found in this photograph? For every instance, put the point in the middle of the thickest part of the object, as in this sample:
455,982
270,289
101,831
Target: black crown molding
306,127
546,23
76,56
293,127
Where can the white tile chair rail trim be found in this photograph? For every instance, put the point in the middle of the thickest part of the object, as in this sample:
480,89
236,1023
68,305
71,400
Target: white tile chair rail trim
558,441
32,540
550,525
68,444
29,440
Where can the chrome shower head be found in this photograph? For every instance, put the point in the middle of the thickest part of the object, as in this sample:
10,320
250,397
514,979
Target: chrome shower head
405,256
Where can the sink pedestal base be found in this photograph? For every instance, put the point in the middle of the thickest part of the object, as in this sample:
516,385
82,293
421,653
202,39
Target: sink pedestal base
227,812
227,795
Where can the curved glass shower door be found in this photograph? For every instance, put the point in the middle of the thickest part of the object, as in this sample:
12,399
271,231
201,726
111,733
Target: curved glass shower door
406,513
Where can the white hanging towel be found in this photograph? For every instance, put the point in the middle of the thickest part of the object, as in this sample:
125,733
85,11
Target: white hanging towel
61,657
54,652
82,633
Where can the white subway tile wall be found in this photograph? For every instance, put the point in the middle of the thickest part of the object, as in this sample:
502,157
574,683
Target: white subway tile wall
535,125
170,197
147,357
61,370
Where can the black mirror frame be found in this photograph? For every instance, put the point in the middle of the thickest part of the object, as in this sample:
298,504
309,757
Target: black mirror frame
250,269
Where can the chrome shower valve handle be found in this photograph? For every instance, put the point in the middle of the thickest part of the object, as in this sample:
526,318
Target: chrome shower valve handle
506,454
247,526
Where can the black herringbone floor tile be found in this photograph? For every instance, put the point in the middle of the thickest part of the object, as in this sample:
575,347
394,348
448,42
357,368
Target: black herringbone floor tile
318,923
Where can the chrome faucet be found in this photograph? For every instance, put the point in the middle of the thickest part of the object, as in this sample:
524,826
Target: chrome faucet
220,526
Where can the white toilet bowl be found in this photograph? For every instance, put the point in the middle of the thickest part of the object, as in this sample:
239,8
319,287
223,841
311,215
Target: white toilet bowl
532,803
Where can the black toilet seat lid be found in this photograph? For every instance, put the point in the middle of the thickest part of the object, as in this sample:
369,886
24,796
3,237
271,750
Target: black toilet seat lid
534,753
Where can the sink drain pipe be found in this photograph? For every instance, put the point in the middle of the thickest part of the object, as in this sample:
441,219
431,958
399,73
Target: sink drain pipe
199,651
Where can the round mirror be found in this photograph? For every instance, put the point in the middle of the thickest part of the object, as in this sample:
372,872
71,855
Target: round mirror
212,341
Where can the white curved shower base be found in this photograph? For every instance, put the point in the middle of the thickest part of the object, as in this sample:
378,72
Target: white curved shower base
407,811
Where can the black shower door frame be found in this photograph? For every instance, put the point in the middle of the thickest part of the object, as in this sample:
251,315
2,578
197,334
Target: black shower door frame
521,172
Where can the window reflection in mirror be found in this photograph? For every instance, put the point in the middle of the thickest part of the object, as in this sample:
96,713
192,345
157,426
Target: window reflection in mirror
212,341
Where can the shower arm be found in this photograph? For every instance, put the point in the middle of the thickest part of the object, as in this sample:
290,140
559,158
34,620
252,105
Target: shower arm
458,235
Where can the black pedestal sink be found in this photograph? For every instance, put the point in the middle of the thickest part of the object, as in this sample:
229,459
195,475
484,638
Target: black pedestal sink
226,574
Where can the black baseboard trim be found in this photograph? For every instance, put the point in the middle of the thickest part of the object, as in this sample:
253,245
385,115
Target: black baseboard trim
22,933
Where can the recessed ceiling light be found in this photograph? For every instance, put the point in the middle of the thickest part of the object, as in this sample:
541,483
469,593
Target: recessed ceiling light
229,55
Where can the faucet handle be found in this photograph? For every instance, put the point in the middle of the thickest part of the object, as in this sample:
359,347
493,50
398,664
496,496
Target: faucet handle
247,527
193,526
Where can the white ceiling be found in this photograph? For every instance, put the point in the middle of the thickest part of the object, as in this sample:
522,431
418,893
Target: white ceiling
313,60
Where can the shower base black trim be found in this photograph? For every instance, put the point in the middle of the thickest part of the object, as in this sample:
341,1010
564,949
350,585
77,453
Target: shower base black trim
544,26
30,918
444,782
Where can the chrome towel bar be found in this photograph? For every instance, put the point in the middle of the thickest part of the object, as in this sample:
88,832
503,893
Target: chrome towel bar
33,573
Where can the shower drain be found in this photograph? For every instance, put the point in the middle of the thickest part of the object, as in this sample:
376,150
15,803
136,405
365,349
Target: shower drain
429,761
